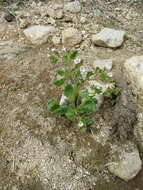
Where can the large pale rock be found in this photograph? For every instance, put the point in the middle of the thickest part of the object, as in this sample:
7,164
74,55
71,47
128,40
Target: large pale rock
72,7
71,37
39,34
134,74
10,50
109,38
125,162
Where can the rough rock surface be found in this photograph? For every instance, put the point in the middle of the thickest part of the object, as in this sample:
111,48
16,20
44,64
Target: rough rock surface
73,7
124,115
10,50
109,38
39,34
138,131
126,162
134,74
71,37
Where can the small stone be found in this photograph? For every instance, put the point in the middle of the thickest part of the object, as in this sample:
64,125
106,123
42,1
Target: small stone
125,161
8,17
23,23
83,20
71,37
43,11
103,64
72,7
109,38
39,34
51,21
55,13
56,40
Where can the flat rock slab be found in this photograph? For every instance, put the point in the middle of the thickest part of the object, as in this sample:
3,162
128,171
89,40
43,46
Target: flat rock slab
39,34
10,50
126,162
109,38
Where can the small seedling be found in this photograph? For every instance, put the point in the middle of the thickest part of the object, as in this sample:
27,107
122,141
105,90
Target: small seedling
81,103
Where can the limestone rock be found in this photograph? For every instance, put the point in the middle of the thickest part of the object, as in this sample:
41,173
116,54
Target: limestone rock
39,34
109,38
104,86
134,74
126,162
72,7
71,37
10,50
103,64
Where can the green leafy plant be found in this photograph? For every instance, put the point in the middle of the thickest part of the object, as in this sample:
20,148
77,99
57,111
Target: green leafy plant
81,103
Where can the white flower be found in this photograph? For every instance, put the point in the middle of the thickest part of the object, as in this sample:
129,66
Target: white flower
64,49
53,49
77,60
80,124
110,74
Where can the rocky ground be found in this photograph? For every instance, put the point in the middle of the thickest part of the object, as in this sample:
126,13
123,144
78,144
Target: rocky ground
41,152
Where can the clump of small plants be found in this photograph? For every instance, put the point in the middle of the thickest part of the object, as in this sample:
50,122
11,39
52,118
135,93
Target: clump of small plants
79,103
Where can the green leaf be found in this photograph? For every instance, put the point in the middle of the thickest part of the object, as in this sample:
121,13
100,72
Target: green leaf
69,91
61,110
73,54
84,94
89,74
87,121
53,59
104,76
66,58
71,115
111,92
88,106
61,72
83,129
97,89
53,104
59,82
